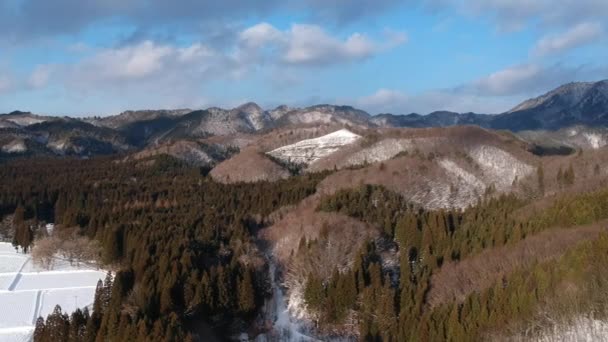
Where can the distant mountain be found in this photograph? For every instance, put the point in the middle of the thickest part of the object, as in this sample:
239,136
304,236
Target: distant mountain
435,119
132,116
582,103
24,133
345,115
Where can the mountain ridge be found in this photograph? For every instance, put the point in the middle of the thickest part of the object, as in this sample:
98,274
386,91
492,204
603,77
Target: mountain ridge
572,104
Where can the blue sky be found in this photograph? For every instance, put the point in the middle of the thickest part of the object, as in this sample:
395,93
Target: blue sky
100,57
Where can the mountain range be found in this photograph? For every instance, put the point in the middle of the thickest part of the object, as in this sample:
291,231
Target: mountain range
24,133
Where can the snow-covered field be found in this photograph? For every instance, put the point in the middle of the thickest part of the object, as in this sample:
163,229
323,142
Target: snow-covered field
310,150
27,291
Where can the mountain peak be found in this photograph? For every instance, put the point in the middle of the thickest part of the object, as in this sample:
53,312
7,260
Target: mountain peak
569,94
249,107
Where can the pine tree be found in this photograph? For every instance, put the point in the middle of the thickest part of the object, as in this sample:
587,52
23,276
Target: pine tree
314,292
246,293
40,335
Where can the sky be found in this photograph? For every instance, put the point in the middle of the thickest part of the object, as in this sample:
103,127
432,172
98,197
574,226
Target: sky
101,57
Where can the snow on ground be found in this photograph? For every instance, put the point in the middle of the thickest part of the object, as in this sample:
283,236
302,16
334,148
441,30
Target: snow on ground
15,146
380,151
582,329
310,150
25,120
58,279
578,329
71,299
466,188
12,263
30,291
595,140
499,167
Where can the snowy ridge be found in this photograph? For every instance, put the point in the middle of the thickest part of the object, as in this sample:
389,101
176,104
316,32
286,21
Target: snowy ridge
15,146
380,151
25,120
310,150
595,140
498,166
465,189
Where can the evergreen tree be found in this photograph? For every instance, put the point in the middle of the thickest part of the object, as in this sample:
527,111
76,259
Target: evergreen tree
540,175
246,293
40,335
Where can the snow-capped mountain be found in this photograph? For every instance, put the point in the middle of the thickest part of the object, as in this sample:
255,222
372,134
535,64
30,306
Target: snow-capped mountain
582,103
310,150
573,104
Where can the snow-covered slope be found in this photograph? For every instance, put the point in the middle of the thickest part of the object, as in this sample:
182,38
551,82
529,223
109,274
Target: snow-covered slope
576,137
311,150
27,291
499,167
15,146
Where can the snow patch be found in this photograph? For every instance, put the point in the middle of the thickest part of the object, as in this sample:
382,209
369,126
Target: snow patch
380,151
465,187
310,150
25,120
580,329
15,146
285,327
58,146
499,167
595,140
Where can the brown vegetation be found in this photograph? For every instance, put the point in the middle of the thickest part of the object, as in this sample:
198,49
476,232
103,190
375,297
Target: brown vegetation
248,166
68,244
456,280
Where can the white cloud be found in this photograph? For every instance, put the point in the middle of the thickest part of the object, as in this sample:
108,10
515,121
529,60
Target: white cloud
506,81
578,35
179,73
305,44
40,76
129,62
309,44
384,100
259,35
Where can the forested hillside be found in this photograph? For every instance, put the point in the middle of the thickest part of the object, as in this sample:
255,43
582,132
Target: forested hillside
189,263
182,245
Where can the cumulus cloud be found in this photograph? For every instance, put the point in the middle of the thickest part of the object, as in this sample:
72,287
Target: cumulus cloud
309,44
144,62
176,71
578,35
306,44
